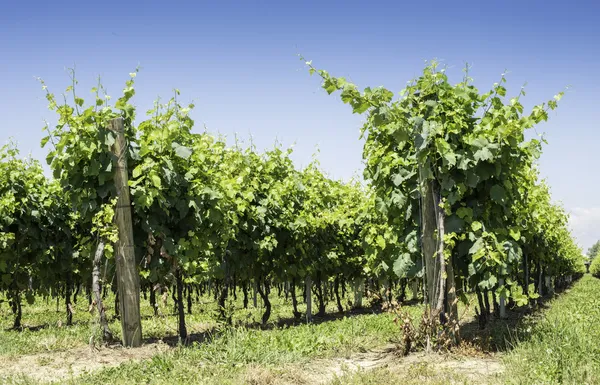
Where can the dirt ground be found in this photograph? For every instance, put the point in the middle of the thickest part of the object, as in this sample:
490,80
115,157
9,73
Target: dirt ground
473,369
71,363
54,366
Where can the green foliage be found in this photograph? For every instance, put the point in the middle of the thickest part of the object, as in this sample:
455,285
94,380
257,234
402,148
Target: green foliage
471,148
207,211
595,267
594,250
103,225
31,257
81,157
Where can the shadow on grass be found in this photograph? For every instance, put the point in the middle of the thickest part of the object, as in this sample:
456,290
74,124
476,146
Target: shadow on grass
22,328
216,331
316,318
173,341
45,325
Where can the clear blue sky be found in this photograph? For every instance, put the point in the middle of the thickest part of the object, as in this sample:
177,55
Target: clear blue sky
237,61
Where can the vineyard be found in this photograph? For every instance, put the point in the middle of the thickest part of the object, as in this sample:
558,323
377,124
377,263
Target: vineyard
143,216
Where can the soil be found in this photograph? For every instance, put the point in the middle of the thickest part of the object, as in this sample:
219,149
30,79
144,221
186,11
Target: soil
56,366
475,369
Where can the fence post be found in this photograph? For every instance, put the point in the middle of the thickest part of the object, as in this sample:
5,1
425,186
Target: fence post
359,287
254,293
308,283
128,279
502,300
415,289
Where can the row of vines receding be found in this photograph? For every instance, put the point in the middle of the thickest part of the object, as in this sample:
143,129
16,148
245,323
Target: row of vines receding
453,204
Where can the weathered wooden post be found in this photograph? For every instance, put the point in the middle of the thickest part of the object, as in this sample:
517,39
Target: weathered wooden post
127,275
308,283
254,294
502,300
386,291
359,288
548,284
415,289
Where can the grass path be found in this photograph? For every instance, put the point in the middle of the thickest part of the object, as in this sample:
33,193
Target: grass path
560,345
564,346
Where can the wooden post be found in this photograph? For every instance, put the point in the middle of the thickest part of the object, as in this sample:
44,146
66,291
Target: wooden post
308,283
359,287
254,291
286,289
386,289
434,269
502,300
548,284
128,280
415,289
540,285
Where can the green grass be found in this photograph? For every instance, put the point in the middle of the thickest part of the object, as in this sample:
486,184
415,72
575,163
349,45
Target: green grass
564,345
230,354
227,354
45,329
557,345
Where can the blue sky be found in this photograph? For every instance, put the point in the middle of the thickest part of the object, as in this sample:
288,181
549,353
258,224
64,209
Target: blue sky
237,61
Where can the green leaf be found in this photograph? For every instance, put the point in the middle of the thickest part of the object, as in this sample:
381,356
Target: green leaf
485,171
380,242
403,265
515,234
397,180
489,282
498,194
381,206
94,168
110,139
384,266
465,212
513,251
398,198
402,175
483,154
478,245
476,226
137,171
454,224
447,183
472,270
182,151
183,207
400,134
450,159
472,179
156,180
